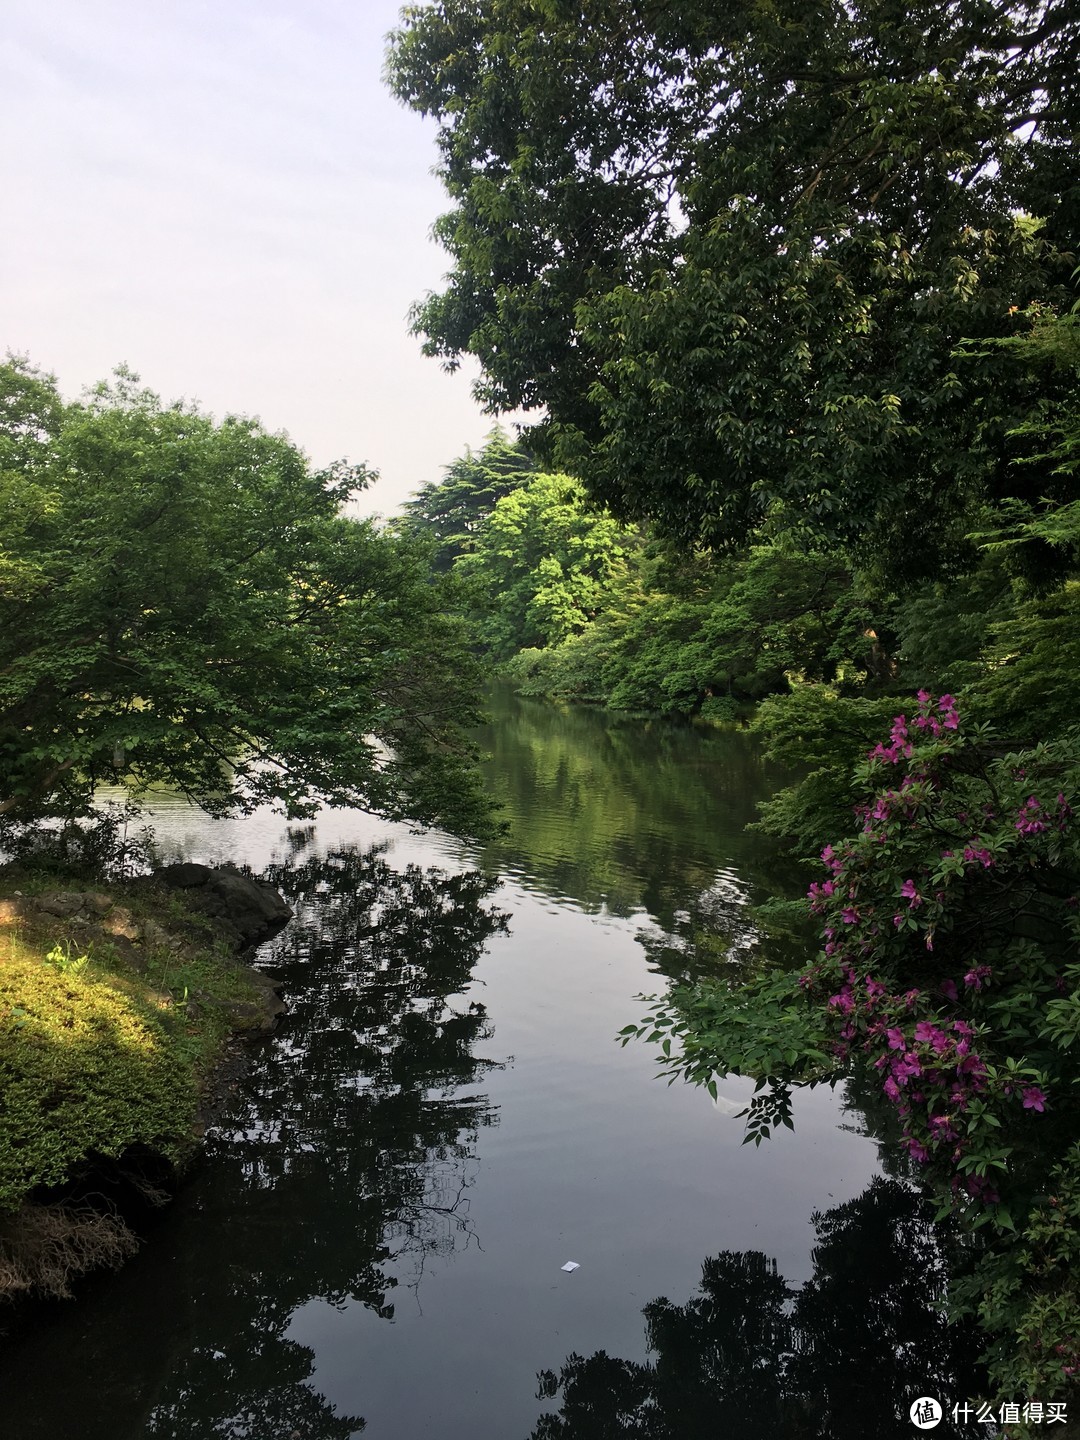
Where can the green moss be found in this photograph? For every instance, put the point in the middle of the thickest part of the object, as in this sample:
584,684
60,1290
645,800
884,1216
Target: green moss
83,1068
105,1044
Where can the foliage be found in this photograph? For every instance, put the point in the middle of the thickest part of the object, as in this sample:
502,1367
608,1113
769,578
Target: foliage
83,1069
793,288
183,603
949,924
111,844
451,512
579,607
744,629
731,251
543,565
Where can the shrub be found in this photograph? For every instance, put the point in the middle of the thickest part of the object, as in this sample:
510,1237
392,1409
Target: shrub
949,974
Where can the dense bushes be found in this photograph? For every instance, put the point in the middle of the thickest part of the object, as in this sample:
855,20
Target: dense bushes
948,977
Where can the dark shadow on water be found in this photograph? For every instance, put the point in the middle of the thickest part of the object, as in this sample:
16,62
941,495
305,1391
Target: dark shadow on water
344,1161
840,1358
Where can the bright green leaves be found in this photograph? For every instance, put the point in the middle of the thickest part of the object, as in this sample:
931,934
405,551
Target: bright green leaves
189,608
544,566
452,512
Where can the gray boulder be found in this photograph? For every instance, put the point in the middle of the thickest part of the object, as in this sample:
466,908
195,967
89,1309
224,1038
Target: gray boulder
246,910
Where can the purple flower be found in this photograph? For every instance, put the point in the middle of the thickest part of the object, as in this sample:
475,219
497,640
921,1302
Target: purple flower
1034,1099
896,1039
973,853
976,978
909,1068
909,890
1027,819
928,1034
948,989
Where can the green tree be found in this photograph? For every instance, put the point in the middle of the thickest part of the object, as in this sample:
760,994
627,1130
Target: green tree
183,603
732,249
543,565
452,511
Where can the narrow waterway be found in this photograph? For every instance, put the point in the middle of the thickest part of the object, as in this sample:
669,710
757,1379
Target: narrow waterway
375,1243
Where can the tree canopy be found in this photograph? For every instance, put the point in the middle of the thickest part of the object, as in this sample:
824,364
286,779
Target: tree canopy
452,511
731,249
183,602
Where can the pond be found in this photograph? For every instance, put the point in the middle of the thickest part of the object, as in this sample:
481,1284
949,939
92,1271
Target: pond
376,1241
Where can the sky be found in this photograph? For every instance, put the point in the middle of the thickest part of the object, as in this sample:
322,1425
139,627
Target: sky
223,195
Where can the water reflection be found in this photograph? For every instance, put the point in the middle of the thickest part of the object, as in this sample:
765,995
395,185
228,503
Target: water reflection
622,814
840,1358
348,1160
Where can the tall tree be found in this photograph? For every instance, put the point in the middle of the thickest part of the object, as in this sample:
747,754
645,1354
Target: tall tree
183,602
543,566
452,512
731,248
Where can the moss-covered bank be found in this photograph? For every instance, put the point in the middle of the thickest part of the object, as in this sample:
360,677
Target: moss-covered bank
118,1008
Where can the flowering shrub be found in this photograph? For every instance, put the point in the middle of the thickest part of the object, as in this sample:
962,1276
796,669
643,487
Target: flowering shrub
949,963
949,976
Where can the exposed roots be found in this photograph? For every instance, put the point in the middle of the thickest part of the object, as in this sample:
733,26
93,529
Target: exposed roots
45,1247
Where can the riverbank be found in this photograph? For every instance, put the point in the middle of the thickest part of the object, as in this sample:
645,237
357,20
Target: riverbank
122,1009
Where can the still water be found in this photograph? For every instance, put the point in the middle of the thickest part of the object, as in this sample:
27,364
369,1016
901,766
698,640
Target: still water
374,1244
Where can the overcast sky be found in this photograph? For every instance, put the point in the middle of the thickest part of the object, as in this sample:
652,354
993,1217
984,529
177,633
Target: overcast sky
223,195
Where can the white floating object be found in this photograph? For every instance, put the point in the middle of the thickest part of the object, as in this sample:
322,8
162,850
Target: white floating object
570,1265
728,1107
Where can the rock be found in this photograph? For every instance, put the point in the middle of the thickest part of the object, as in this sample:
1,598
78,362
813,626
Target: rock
245,909
97,903
63,903
253,1018
153,934
184,876
120,921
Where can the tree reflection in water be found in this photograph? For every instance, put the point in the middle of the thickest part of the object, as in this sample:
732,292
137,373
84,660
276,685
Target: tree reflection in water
350,1151
840,1358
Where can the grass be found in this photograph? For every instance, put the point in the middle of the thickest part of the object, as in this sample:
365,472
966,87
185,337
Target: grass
107,1041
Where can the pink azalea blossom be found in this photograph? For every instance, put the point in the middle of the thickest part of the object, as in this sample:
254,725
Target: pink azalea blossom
909,890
